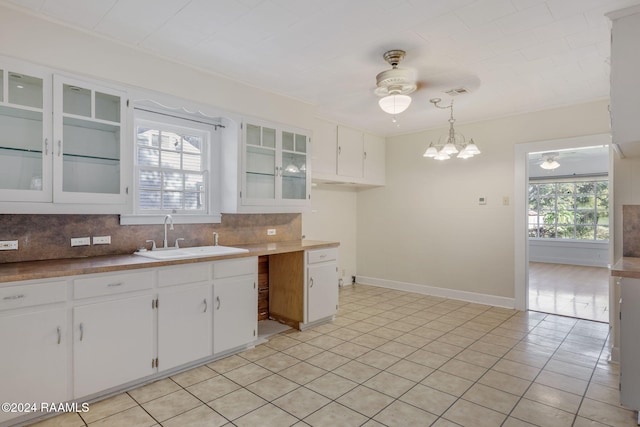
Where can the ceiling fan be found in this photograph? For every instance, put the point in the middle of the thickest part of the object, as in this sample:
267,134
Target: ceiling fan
395,85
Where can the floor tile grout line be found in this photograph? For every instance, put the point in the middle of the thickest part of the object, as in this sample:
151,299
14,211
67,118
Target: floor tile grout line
540,372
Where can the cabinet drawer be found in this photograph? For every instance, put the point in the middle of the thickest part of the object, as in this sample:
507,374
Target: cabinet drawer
95,286
235,267
192,273
322,255
29,295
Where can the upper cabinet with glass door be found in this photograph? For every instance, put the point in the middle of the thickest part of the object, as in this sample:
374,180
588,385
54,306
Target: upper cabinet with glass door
275,173
25,141
87,136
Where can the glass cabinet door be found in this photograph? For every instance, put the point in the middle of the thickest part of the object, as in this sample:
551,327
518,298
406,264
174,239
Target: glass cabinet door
25,162
294,166
87,142
260,162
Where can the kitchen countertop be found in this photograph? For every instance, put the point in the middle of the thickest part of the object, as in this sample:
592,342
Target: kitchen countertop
627,267
29,270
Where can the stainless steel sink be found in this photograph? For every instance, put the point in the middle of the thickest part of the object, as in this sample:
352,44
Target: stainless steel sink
195,252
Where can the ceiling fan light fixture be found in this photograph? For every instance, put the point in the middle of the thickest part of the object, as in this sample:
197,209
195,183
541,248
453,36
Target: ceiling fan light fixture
394,104
550,164
550,161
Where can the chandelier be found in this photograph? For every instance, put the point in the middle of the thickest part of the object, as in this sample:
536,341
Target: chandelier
454,143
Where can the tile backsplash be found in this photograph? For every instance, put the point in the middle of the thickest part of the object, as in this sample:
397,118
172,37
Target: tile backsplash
631,230
49,236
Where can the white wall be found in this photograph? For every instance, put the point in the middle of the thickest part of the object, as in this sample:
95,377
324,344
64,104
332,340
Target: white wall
593,254
425,228
333,217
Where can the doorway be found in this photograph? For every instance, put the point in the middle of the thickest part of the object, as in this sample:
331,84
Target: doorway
561,228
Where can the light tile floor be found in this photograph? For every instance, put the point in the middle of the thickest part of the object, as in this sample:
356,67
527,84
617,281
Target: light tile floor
393,358
569,290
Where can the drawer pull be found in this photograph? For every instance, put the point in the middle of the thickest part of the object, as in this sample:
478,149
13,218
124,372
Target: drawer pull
59,335
113,285
81,331
323,256
218,300
205,305
13,297
311,282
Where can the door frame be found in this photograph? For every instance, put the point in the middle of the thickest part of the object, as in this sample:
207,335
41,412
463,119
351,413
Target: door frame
521,183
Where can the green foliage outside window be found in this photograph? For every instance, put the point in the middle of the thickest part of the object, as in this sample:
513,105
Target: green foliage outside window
576,210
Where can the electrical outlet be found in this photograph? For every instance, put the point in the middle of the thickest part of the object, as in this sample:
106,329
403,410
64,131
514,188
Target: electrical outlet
271,232
80,241
9,245
101,240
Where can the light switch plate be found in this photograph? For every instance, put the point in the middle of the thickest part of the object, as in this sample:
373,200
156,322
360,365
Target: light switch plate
271,232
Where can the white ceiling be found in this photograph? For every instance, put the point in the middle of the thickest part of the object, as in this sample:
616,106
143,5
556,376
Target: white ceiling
514,55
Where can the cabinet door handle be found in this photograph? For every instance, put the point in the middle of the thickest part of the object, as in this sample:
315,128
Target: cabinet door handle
311,282
12,297
205,305
218,300
113,285
46,146
59,335
59,147
81,331
365,155
339,150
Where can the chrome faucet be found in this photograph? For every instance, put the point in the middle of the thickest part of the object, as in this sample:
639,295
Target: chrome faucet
170,219
215,239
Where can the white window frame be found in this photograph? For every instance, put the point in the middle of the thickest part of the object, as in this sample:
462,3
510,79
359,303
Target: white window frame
178,123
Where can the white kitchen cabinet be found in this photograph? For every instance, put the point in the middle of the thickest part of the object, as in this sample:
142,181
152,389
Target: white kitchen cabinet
350,152
321,284
113,343
235,302
77,157
348,156
185,318
113,330
87,142
624,91
25,140
275,171
324,156
35,344
629,343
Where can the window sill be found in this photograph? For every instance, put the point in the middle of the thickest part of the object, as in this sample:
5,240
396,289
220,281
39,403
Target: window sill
177,219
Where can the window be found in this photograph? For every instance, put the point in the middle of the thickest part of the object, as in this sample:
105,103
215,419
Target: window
173,158
567,209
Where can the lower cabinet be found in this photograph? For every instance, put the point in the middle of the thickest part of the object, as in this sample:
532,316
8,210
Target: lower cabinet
184,325
303,286
629,344
34,358
113,343
235,302
322,284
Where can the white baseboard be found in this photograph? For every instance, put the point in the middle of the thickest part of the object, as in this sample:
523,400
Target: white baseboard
439,292
615,355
